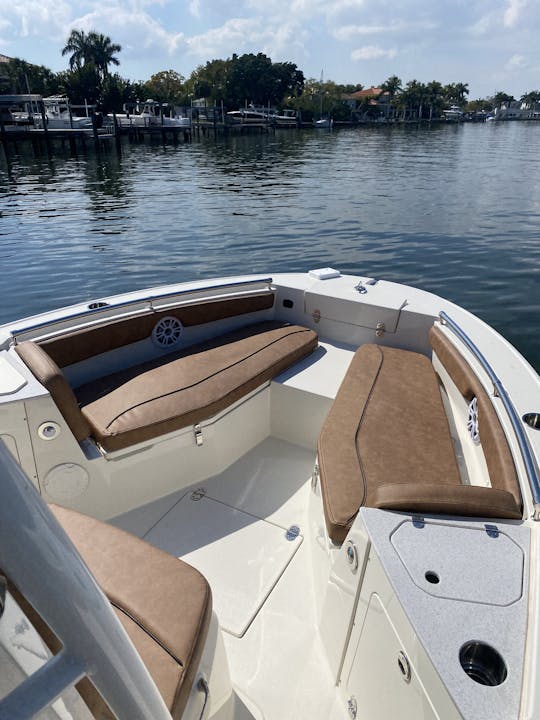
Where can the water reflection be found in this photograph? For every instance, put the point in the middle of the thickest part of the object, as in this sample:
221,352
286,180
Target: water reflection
454,210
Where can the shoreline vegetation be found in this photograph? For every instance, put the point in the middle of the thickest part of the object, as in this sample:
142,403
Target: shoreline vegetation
252,79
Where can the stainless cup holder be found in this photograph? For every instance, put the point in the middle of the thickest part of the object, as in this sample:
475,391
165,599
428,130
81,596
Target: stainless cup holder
532,419
482,663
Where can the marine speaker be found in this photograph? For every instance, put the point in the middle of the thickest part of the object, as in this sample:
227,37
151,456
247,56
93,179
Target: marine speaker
167,332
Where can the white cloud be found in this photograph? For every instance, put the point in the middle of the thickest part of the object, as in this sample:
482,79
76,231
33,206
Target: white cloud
195,8
46,18
348,32
239,35
233,36
517,61
372,52
134,31
513,12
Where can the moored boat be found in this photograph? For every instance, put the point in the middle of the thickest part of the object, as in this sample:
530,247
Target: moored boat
151,114
59,116
454,113
322,483
323,123
256,115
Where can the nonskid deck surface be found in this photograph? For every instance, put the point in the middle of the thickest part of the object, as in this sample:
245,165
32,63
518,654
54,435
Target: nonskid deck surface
233,527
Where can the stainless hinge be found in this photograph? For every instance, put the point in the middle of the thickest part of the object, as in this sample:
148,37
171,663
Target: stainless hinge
199,440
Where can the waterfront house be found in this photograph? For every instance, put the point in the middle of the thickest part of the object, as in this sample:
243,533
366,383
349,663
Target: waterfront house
369,104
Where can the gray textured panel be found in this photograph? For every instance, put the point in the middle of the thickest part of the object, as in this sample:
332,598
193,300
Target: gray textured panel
469,563
443,624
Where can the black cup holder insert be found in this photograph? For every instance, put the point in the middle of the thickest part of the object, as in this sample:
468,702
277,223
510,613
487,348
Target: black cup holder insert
532,419
97,305
482,663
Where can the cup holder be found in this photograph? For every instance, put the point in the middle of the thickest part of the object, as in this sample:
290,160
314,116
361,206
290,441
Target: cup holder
97,305
532,419
482,663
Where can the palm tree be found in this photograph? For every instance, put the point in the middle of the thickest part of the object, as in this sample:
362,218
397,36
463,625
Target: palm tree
412,98
434,91
392,86
77,45
102,52
454,93
93,48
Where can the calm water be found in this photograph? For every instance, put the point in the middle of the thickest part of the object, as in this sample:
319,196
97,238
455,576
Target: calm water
452,209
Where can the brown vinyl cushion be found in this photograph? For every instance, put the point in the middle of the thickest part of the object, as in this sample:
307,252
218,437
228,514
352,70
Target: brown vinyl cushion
191,385
83,344
465,500
501,468
387,425
47,372
164,604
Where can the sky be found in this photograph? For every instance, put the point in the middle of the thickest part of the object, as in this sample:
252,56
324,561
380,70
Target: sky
490,44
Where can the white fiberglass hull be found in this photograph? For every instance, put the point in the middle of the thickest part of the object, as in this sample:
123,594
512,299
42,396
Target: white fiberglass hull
393,620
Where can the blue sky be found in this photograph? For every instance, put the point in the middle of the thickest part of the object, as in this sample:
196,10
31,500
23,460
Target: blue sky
491,44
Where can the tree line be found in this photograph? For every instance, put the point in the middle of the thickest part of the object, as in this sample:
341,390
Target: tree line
233,82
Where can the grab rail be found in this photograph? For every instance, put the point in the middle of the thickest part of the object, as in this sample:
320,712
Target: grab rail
499,391
151,298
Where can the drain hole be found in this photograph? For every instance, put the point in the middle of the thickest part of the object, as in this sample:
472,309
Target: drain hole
432,577
482,663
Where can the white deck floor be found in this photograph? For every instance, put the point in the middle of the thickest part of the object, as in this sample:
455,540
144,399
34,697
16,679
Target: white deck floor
261,582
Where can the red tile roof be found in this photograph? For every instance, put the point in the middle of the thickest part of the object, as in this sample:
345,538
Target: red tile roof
368,92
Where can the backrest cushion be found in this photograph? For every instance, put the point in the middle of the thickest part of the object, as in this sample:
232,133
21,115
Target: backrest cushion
502,471
47,372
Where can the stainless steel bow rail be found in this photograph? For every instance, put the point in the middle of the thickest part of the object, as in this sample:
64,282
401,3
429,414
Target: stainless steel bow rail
144,303
499,391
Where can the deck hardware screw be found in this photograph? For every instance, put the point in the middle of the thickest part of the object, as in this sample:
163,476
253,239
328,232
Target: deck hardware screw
352,707
352,555
380,329
404,666
198,494
292,533
316,316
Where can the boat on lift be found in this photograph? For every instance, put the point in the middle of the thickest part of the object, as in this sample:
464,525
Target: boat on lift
150,114
59,115
309,495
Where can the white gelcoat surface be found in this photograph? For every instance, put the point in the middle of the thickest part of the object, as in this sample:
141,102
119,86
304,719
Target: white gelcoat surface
240,555
279,664
10,380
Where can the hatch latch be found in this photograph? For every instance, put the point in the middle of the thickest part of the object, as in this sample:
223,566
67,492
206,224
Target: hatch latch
199,440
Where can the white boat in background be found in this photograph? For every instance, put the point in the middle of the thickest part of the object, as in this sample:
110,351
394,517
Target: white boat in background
323,123
151,114
453,113
308,496
271,116
59,115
